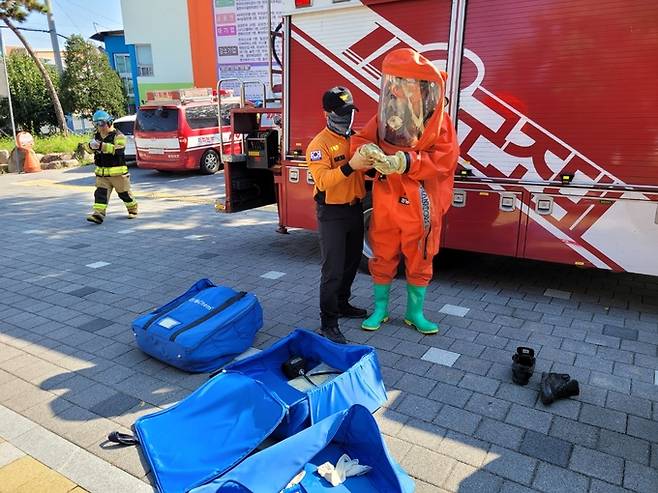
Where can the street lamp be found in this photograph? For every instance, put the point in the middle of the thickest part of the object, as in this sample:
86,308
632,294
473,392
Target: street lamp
6,82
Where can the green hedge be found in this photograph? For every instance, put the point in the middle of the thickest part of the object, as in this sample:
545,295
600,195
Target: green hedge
46,145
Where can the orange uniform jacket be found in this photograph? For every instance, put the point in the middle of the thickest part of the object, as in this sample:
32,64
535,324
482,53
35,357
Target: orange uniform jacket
336,182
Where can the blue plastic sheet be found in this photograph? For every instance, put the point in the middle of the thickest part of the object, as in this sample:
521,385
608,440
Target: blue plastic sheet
353,432
208,432
359,383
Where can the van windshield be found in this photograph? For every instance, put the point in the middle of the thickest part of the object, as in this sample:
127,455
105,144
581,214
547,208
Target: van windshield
157,120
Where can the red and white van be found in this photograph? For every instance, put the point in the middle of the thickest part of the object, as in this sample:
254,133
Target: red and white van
179,130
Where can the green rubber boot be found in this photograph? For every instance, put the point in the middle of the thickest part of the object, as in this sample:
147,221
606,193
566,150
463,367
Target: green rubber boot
414,315
380,315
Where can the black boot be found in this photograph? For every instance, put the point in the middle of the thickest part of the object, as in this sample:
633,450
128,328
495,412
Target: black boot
349,311
333,333
523,365
556,386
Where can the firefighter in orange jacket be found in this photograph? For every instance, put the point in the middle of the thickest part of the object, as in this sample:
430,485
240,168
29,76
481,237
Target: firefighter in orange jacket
413,145
108,145
339,190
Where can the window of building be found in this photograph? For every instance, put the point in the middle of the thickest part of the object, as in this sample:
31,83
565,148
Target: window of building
144,61
122,67
122,63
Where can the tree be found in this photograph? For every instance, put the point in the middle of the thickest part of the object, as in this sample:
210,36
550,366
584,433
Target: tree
32,106
17,11
88,82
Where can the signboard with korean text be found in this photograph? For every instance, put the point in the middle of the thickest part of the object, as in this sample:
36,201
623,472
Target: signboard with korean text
242,38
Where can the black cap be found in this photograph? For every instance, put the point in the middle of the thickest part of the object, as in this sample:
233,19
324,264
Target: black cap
338,100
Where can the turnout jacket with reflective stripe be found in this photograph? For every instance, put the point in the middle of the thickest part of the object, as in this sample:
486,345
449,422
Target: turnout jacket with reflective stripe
111,153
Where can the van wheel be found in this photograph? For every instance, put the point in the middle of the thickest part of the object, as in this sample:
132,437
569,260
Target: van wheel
210,163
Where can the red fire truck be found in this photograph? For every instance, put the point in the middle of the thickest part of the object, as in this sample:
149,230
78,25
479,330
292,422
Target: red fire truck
555,107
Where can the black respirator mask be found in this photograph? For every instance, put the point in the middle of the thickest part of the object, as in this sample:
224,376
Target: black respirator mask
341,124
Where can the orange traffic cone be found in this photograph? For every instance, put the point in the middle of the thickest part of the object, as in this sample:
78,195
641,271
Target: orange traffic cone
31,163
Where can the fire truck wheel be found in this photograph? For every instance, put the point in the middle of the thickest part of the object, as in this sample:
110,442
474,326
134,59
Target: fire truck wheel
210,163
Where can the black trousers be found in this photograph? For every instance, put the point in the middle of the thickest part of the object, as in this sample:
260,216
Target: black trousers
341,243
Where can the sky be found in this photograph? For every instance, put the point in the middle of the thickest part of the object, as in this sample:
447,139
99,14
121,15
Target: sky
71,17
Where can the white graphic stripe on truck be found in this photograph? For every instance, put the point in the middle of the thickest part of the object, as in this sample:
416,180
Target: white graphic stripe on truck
530,151
208,140
163,144
171,144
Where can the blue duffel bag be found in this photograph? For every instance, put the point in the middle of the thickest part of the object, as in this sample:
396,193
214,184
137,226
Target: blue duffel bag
199,441
201,330
358,381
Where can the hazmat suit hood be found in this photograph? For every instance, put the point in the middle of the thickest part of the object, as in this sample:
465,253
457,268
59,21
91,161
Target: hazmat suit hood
411,102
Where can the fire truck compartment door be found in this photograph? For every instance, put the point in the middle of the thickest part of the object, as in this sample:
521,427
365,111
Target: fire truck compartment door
615,230
247,188
483,220
298,198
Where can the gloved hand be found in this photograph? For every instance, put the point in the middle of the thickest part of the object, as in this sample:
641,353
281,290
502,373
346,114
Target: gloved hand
372,152
345,468
107,148
386,165
94,144
397,163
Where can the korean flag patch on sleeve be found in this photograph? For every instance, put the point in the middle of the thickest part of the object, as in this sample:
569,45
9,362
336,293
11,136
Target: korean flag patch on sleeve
316,155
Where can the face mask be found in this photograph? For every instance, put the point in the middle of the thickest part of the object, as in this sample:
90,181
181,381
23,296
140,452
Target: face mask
341,124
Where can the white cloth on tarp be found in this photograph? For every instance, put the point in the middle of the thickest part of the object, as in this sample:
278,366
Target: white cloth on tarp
295,481
344,468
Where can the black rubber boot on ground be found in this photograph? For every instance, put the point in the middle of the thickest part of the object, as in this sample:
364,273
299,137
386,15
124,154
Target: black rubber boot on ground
556,386
523,365
349,311
333,333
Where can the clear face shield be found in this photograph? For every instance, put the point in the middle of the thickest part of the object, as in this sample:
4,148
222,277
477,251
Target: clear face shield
405,106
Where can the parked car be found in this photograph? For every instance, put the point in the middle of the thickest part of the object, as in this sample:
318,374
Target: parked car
126,125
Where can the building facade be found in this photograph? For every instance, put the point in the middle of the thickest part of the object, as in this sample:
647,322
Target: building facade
191,43
174,52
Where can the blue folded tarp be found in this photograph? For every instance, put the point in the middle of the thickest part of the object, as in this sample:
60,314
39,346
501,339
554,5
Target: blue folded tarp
359,383
353,432
208,432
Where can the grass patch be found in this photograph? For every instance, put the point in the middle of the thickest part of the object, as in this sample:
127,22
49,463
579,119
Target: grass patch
46,145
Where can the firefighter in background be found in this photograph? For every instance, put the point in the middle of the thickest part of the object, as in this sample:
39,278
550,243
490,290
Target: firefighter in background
338,192
413,145
108,146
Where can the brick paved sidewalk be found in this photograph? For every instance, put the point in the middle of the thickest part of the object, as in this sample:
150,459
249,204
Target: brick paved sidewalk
34,460
68,362
20,473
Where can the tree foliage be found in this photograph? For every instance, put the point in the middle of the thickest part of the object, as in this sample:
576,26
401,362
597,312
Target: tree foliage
31,102
89,83
18,10
12,11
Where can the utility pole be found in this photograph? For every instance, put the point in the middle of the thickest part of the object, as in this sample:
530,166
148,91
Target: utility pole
6,81
53,37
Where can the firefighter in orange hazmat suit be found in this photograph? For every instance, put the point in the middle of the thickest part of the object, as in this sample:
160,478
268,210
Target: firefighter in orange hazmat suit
413,145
